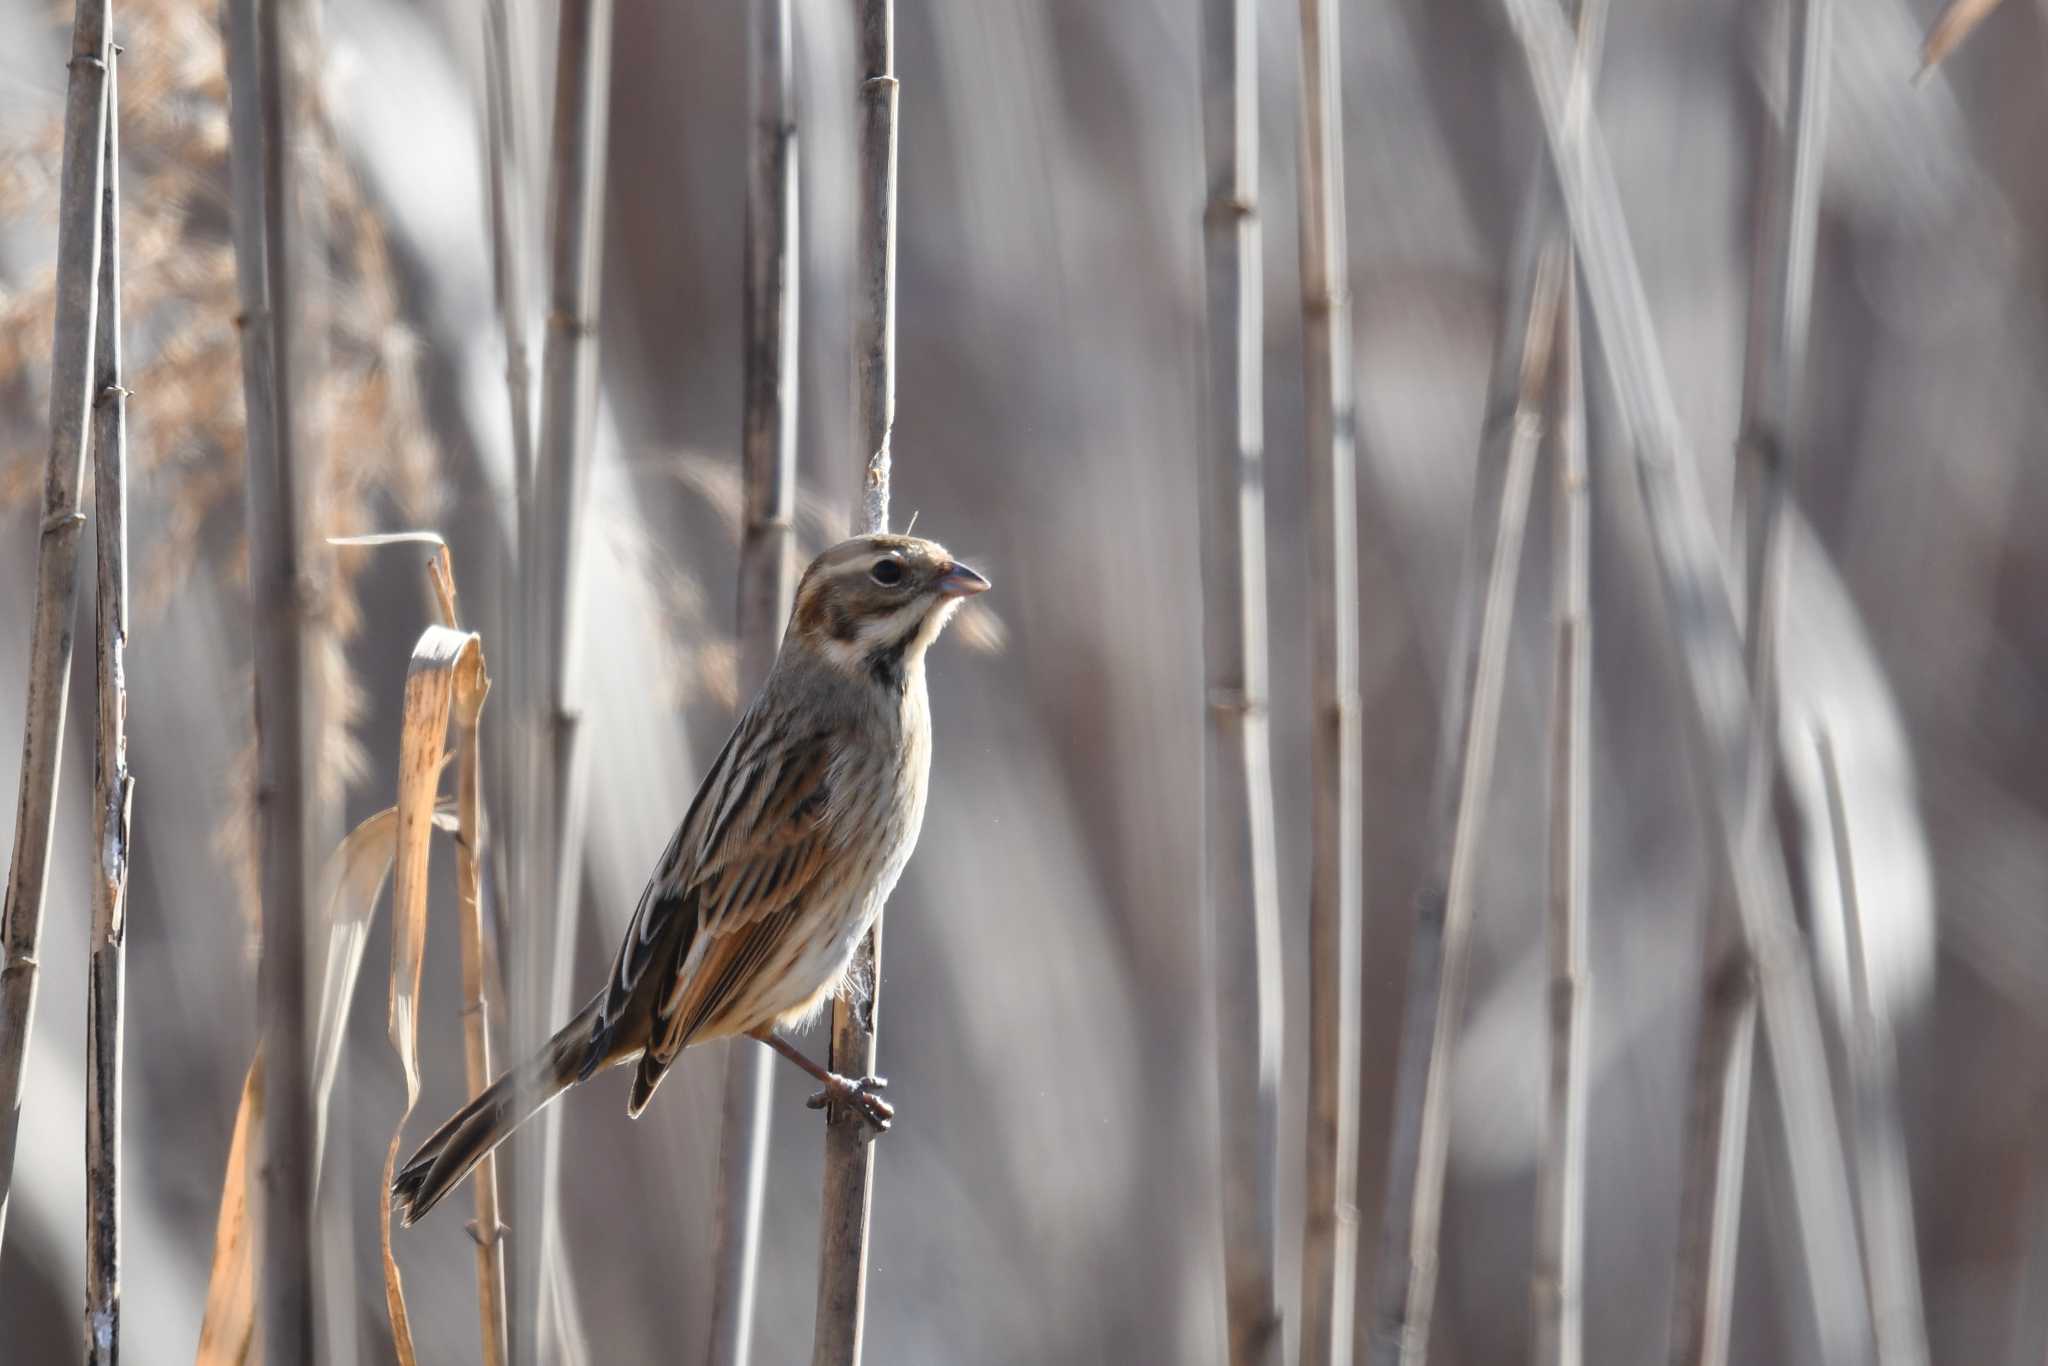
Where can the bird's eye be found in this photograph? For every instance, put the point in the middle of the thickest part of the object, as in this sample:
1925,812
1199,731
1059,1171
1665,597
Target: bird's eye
887,573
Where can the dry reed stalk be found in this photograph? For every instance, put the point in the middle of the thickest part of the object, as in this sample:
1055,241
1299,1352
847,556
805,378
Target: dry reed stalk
1770,447
568,411
1718,704
766,584
79,211
1241,913
1884,1190
263,168
1440,952
476,999
113,789
511,760
1329,1256
849,1157
1557,1287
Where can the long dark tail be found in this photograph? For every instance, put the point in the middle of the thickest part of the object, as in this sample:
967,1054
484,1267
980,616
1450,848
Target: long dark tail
488,1120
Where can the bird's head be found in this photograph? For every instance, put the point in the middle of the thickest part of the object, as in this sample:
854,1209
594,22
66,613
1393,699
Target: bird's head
873,604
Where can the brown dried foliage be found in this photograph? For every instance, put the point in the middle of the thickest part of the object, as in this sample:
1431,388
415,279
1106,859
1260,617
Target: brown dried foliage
365,424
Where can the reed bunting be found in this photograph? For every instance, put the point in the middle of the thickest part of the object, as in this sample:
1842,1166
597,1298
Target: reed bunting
791,847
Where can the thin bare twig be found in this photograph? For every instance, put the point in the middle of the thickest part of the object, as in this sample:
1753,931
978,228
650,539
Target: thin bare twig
767,580
1557,1279
1329,1255
113,789
79,212
568,412
849,1154
1717,697
1241,913
1884,1187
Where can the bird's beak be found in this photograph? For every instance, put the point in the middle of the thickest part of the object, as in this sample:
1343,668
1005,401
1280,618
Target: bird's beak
961,582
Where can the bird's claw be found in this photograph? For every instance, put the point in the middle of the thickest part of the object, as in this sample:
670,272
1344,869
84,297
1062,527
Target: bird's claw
862,1093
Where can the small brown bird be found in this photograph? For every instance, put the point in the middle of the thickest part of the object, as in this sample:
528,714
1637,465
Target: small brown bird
788,853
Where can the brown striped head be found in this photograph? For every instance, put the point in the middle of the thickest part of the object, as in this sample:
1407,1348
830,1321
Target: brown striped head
873,604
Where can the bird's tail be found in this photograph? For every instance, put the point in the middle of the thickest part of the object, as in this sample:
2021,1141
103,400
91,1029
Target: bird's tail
489,1119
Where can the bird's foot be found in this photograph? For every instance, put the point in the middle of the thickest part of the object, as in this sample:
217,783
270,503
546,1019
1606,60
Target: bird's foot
863,1094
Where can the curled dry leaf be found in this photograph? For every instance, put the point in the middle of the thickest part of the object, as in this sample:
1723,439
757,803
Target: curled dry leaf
447,671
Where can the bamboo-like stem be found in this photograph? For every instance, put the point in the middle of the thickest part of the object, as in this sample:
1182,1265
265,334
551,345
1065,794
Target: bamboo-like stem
262,169
1241,912
476,1020
1884,1189
767,580
1710,1210
511,771
568,411
1717,698
849,1154
1329,1254
113,789
1440,953
49,671
1557,1280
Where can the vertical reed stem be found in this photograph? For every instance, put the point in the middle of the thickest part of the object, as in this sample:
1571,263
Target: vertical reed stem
1329,1256
1717,701
113,789
476,1019
79,211
849,1155
262,168
1557,1290
568,410
1240,896
1884,1188
1781,288
1440,954
767,580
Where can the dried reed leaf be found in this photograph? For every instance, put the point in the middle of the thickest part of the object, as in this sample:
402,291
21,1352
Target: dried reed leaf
352,883
447,668
1956,22
230,1322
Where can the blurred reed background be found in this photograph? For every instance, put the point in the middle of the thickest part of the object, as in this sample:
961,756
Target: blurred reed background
1051,1189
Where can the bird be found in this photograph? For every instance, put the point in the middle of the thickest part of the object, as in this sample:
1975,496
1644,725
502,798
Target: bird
783,862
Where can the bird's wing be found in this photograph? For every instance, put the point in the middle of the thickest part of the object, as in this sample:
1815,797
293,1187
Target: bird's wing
729,888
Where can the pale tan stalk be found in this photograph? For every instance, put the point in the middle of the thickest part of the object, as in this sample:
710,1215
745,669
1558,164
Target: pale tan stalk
262,167
767,580
113,789
1329,1254
1781,289
476,1018
849,1154
1884,1186
1241,913
568,412
1440,953
79,210
1557,1289
1718,705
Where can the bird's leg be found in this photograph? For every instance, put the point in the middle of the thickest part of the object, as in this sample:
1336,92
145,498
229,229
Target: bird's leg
860,1093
